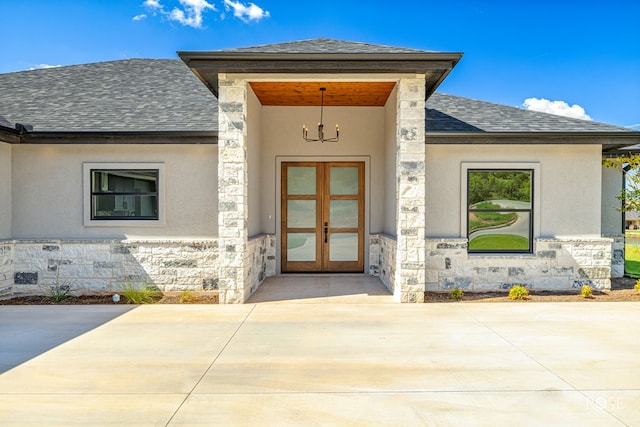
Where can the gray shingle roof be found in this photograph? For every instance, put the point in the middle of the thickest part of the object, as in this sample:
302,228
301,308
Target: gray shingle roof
127,95
324,45
164,95
448,113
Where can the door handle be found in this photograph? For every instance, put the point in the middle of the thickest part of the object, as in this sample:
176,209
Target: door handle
326,231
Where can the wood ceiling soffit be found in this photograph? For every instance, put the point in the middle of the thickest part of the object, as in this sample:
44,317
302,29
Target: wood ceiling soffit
338,94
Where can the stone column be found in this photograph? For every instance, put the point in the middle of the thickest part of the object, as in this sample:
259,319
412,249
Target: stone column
232,188
410,191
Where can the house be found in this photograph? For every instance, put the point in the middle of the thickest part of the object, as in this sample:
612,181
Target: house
197,174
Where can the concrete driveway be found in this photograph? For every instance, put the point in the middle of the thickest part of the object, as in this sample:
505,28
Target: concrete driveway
452,364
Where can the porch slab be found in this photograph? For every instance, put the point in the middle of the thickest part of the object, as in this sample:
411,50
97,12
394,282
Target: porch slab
331,364
322,289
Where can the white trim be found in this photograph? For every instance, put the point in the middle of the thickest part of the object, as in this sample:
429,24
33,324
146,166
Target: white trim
86,194
367,191
465,166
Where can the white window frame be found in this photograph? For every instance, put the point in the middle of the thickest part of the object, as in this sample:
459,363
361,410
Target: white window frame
86,194
535,166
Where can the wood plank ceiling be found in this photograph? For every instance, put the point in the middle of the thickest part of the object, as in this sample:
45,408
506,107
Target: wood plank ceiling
303,94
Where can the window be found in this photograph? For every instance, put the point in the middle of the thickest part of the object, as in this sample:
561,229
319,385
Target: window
123,194
500,210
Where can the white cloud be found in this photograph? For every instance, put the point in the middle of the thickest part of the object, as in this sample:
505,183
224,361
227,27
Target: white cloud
245,13
559,108
42,66
153,4
191,12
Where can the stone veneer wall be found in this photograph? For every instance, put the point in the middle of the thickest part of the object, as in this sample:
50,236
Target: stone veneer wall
617,255
261,259
558,264
382,259
107,265
410,191
6,269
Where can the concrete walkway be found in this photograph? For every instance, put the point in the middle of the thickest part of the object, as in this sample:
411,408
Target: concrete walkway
328,364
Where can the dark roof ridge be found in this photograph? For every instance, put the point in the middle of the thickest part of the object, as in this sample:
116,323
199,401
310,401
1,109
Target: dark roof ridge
85,64
315,42
532,113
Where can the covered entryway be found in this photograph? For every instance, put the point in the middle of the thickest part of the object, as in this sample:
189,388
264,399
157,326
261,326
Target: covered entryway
322,217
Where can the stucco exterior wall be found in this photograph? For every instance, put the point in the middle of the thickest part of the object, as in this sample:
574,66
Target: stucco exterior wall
254,156
612,182
390,197
570,186
48,190
361,135
5,190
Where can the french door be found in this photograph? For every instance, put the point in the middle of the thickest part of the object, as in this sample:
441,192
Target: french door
322,221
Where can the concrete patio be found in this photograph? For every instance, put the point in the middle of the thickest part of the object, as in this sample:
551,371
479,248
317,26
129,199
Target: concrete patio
321,364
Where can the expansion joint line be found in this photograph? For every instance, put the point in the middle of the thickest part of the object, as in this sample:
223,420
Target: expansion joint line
210,365
537,362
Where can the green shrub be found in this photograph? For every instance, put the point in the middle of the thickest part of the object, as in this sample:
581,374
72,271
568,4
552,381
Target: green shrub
456,294
637,286
518,292
586,291
145,294
59,293
187,297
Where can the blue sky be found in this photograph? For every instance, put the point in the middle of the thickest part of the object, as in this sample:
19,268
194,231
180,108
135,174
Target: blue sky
563,56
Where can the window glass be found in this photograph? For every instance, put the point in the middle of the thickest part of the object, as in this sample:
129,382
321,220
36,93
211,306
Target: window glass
500,206
124,194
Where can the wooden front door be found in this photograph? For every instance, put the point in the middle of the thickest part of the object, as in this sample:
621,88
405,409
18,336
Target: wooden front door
322,219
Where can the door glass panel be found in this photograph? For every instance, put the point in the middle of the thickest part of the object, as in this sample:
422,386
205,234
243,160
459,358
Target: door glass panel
301,213
343,180
343,247
343,213
301,180
301,247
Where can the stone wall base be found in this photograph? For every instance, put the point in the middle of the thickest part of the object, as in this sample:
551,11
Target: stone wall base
108,265
382,259
557,264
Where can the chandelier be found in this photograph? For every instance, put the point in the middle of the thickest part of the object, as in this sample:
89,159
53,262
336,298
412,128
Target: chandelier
321,138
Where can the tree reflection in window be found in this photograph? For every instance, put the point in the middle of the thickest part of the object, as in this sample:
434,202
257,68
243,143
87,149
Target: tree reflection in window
500,210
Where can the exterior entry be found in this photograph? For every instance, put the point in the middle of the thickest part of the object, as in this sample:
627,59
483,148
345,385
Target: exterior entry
322,218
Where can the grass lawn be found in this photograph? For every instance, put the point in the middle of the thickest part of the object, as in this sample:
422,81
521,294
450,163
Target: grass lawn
632,260
500,241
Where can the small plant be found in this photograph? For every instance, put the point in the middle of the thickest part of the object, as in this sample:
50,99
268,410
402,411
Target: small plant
518,292
586,291
637,286
456,294
59,293
145,294
187,297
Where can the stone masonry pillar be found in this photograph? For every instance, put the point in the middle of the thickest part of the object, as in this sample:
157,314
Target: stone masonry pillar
232,188
410,191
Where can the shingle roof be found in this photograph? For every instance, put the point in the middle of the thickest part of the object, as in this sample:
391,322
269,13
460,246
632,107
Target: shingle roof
323,45
448,113
164,95
126,95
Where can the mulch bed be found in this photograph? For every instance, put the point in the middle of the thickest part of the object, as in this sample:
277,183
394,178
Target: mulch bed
168,298
621,291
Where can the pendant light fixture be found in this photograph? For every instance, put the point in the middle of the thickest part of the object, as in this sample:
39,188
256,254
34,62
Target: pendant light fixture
321,138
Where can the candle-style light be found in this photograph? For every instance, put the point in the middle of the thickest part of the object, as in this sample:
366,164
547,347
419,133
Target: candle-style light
321,138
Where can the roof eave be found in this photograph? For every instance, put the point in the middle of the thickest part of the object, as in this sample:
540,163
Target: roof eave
608,139
207,65
120,137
